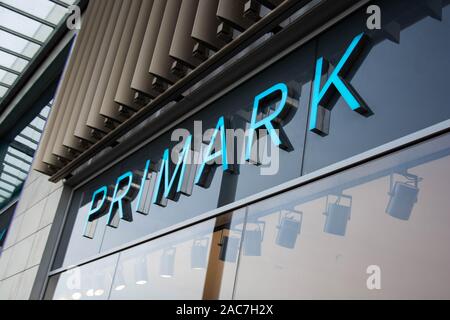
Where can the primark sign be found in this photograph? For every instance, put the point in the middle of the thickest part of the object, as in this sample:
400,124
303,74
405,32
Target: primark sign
157,183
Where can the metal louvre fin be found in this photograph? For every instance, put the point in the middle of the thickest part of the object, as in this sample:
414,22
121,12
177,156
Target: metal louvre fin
60,106
142,79
206,23
125,94
161,61
85,77
182,46
81,131
94,120
231,12
109,108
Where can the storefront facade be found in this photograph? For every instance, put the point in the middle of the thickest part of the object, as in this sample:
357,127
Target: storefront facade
330,182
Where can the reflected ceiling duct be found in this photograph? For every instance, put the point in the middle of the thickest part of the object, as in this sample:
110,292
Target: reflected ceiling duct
337,215
289,226
141,271
253,237
403,196
199,254
167,265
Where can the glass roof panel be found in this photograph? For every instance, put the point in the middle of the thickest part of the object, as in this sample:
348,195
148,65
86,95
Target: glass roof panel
26,26
43,9
23,25
12,62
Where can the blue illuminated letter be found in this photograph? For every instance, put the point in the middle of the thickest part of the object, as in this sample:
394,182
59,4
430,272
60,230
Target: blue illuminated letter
117,198
95,212
319,113
141,189
160,198
200,178
267,122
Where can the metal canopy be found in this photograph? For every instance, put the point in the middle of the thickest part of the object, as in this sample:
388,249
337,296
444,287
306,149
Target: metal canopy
26,27
18,155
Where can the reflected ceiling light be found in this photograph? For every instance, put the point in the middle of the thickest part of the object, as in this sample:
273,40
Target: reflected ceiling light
199,254
99,285
89,284
253,237
119,280
289,225
99,292
337,215
229,248
90,293
140,271
403,196
76,296
167,263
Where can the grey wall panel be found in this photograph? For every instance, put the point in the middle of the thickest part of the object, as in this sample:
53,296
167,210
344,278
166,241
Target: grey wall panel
142,79
205,25
95,120
109,108
232,13
63,89
125,94
161,61
63,114
182,43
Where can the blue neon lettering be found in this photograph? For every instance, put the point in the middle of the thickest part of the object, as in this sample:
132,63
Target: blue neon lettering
334,79
266,122
92,211
117,198
164,170
222,152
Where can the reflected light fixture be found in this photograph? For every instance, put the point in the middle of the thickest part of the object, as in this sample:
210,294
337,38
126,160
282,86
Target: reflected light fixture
253,237
90,285
99,285
403,196
76,296
229,248
199,254
337,215
140,271
289,225
167,263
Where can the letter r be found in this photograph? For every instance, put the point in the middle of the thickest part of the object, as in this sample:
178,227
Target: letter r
267,122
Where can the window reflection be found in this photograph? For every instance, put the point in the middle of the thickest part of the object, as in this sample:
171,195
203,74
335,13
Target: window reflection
315,241
391,213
